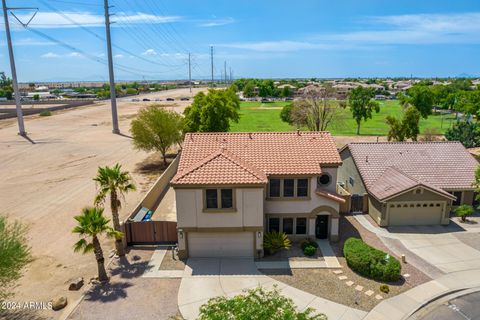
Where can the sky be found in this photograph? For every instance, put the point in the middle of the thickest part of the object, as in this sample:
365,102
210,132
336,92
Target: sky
65,41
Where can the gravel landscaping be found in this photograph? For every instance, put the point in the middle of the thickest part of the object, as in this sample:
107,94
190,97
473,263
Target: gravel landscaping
324,283
172,262
295,253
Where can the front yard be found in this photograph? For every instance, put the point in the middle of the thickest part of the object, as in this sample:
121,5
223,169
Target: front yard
326,284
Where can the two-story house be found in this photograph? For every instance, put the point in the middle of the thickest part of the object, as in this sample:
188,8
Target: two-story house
231,188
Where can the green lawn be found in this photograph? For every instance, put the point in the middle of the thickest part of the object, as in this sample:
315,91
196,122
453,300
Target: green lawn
257,116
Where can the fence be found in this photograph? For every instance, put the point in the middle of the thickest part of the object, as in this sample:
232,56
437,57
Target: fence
153,232
150,232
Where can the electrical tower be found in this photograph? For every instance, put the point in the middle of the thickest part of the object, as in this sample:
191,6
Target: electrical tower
189,72
211,61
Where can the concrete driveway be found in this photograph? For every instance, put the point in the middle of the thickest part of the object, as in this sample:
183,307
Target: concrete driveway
439,246
207,278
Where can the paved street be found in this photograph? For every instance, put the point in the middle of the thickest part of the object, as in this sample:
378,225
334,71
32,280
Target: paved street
461,308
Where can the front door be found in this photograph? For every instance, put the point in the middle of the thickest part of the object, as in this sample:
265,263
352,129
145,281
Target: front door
321,227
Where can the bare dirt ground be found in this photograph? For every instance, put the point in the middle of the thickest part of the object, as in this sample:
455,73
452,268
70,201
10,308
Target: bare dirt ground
47,180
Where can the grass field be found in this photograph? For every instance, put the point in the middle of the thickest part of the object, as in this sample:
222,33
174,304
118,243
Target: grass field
257,116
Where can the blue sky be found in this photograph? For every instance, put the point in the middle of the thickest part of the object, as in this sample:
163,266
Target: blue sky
279,39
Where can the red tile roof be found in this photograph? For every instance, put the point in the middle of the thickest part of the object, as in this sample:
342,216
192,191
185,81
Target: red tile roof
445,165
393,181
218,158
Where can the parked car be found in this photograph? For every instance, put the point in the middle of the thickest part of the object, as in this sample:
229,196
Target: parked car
158,99
184,99
146,99
170,99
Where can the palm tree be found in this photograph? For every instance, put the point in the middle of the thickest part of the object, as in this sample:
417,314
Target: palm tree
91,224
115,182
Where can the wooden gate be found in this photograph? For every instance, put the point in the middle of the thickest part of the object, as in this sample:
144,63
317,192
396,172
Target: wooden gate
357,203
151,232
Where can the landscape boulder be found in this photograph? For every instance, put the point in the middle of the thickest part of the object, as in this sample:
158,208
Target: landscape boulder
59,303
76,284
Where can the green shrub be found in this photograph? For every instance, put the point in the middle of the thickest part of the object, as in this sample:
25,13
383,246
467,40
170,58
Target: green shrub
464,211
370,262
385,288
45,113
308,242
309,250
274,241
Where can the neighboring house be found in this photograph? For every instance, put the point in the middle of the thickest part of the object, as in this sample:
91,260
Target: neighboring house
408,183
230,188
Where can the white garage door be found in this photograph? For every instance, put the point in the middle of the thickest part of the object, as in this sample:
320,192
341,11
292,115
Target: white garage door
421,213
220,244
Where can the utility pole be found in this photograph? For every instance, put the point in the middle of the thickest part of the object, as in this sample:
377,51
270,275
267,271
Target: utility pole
18,104
231,75
211,61
225,70
189,73
113,96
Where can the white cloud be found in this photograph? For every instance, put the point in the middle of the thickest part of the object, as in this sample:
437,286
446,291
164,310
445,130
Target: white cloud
74,54
119,56
46,19
414,29
50,55
150,52
217,22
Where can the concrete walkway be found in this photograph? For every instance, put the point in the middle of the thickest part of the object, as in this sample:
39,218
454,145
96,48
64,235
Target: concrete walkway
329,260
207,278
435,244
407,303
153,267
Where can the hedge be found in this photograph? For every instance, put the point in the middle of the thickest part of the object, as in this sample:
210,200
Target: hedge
370,262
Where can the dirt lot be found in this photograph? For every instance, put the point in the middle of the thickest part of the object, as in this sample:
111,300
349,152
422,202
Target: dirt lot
47,180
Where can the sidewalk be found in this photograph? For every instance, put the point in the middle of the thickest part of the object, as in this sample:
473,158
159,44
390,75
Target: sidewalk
405,304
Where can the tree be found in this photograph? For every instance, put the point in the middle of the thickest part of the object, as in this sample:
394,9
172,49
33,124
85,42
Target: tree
317,109
406,128
362,105
91,224
14,254
156,129
117,183
286,92
249,90
468,133
476,184
421,97
464,211
212,112
286,113
257,304
36,97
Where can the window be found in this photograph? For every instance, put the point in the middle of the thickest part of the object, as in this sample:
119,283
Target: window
302,187
288,187
288,225
212,199
219,199
301,226
274,224
274,189
227,198
324,180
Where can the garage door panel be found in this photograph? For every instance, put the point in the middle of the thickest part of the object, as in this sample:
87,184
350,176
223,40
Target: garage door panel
220,244
416,215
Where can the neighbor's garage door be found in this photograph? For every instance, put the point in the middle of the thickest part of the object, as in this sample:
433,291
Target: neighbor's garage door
220,244
421,213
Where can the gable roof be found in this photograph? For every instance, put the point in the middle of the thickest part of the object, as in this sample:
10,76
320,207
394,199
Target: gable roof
443,165
220,167
258,154
393,182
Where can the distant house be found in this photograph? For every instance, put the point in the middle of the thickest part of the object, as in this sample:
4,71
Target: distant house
408,183
231,188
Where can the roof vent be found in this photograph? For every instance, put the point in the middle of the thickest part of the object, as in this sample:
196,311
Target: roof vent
250,135
366,159
298,131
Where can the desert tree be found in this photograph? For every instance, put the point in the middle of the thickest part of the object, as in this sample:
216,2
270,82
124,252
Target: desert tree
405,128
156,129
90,225
116,183
362,105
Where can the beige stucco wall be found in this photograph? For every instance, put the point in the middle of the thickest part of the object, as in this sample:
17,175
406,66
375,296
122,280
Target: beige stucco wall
248,213
289,206
375,210
347,170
